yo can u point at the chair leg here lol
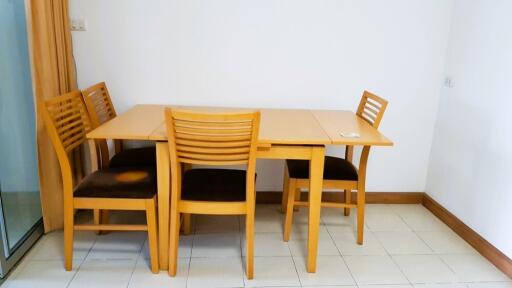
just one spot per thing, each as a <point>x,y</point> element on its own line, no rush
<point>174,238</point>
<point>249,241</point>
<point>360,214</point>
<point>348,200</point>
<point>186,223</point>
<point>100,217</point>
<point>289,210</point>
<point>104,219</point>
<point>297,198</point>
<point>68,238</point>
<point>97,219</point>
<point>152,234</point>
<point>286,185</point>
<point>104,216</point>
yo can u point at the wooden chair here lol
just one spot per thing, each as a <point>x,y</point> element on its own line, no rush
<point>100,108</point>
<point>339,173</point>
<point>120,188</point>
<point>212,140</point>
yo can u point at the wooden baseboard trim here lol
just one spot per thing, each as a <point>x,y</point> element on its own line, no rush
<point>392,197</point>
<point>274,197</point>
<point>495,256</point>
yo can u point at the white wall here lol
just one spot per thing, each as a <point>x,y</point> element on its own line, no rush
<point>471,162</point>
<point>289,53</point>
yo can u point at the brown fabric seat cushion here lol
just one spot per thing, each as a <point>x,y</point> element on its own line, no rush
<point>135,157</point>
<point>214,185</point>
<point>334,169</point>
<point>126,182</point>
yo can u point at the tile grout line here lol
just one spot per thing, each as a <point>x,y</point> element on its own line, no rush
<point>389,254</point>
<point>141,252</point>
<point>394,262</point>
<point>83,261</point>
<point>293,259</point>
<point>433,251</point>
<point>20,266</point>
<point>415,232</point>
<point>339,252</point>
<point>193,220</point>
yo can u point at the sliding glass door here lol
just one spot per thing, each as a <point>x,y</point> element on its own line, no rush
<point>20,218</point>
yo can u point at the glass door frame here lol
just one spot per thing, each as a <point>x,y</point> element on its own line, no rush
<point>28,240</point>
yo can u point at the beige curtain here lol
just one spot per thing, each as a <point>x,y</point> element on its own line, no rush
<point>53,73</point>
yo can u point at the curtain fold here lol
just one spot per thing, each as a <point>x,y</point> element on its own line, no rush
<point>53,73</point>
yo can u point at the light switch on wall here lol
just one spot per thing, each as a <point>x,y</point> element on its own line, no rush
<point>78,25</point>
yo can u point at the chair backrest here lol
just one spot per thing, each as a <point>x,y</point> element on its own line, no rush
<point>212,138</point>
<point>67,123</point>
<point>101,109</point>
<point>98,103</point>
<point>372,108</point>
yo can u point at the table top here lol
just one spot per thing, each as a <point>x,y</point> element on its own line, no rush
<point>278,126</point>
<point>336,122</point>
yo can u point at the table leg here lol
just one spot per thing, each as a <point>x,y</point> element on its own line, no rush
<point>316,173</point>
<point>164,189</point>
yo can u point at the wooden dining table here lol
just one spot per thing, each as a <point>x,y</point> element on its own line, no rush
<point>284,134</point>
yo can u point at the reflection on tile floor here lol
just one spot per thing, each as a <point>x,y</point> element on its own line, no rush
<point>405,246</point>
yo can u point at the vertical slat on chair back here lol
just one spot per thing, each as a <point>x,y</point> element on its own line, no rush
<point>372,108</point>
<point>98,102</point>
<point>212,139</point>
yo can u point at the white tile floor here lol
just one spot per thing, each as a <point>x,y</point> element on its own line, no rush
<point>405,246</point>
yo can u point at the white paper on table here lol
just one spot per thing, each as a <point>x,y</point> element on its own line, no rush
<point>350,134</point>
